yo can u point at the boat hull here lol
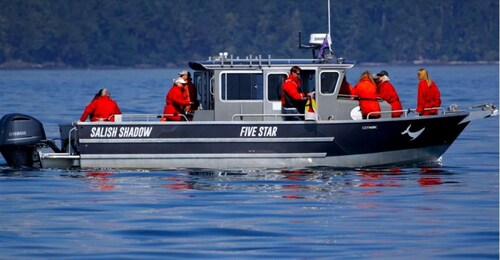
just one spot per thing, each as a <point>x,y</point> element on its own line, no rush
<point>280,144</point>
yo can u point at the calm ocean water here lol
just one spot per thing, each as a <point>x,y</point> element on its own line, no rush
<point>447,212</point>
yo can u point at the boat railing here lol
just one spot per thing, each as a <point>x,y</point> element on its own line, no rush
<point>263,116</point>
<point>258,61</point>
<point>443,111</point>
<point>156,117</point>
<point>144,117</point>
<point>72,130</point>
<point>355,97</point>
<point>405,112</point>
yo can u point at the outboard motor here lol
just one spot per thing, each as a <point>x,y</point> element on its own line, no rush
<point>19,136</point>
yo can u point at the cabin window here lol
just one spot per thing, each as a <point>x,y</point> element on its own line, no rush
<point>274,84</point>
<point>328,82</point>
<point>204,83</point>
<point>241,86</point>
<point>308,80</point>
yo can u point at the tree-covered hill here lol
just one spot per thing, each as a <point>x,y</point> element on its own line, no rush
<point>82,33</point>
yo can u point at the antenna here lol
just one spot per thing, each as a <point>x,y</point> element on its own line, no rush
<point>329,25</point>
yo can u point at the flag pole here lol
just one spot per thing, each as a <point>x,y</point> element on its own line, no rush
<point>329,25</point>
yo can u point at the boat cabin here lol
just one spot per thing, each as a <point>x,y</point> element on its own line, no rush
<point>249,89</point>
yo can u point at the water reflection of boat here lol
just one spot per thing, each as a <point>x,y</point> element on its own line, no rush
<point>240,125</point>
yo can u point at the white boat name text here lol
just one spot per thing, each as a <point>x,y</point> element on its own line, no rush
<point>123,131</point>
<point>261,131</point>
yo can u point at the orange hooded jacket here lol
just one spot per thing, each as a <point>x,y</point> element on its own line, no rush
<point>366,90</point>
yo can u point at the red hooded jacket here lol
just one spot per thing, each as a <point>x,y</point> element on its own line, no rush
<point>345,88</point>
<point>388,93</point>
<point>176,102</point>
<point>428,97</point>
<point>100,109</point>
<point>366,90</point>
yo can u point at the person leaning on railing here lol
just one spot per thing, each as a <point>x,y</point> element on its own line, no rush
<point>176,102</point>
<point>366,90</point>
<point>387,92</point>
<point>101,108</point>
<point>428,94</point>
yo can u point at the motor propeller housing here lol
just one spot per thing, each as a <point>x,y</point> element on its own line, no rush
<point>19,136</point>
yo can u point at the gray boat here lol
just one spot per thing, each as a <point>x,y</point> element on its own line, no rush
<point>240,125</point>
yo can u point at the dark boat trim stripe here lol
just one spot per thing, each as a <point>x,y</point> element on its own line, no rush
<point>207,140</point>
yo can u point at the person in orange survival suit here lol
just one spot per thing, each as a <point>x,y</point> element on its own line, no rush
<point>101,108</point>
<point>293,101</point>
<point>366,90</point>
<point>387,92</point>
<point>428,94</point>
<point>176,102</point>
<point>345,87</point>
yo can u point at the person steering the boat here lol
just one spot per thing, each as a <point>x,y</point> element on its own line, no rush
<point>293,100</point>
<point>176,102</point>
<point>101,108</point>
<point>191,94</point>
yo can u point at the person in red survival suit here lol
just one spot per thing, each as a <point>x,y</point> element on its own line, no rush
<point>191,93</point>
<point>366,90</point>
<point>101,108</point>
<point>345,87</point>
<point>428,94</point>
<point>387,92</point>
<point>293,101</point>
<point>176,102</point>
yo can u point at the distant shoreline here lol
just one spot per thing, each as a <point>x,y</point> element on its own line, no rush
<point>16,64</point>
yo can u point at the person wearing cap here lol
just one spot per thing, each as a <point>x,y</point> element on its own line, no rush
<point>428,94</point>
<point>366,90</point>
<point>293,101</point>
<point>387,92</point>
<point>101,108</point>
<point>190,92</point>
<point>176,102</point>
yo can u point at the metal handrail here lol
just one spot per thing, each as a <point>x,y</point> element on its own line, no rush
<point>438,108</point>
<point>261,115</point>
<point>147,117</point>
<point>404,111</point>
<point>69,139</point>
<point>150,117</point>
<point>265,115</point>
<point>258,61</point>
